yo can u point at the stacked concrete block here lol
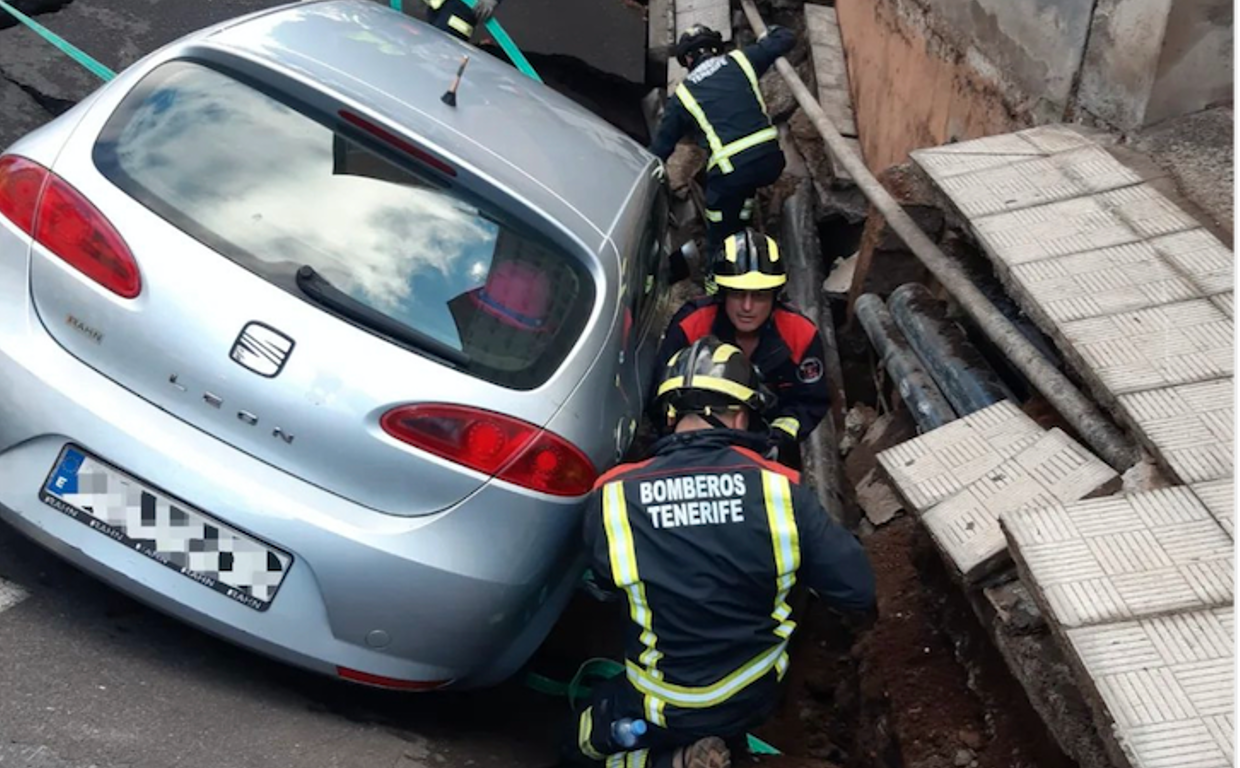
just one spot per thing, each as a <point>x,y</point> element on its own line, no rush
<point>1136,294</point>
<point>1139,591</point>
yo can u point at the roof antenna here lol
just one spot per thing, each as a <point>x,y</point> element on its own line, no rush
<point>449,96</point>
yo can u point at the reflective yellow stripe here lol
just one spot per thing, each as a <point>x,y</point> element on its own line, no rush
<point>436,4</point>
<point>722,155</point>
<point>787,424</point>
<point>772,249</point>
<point>729,248</point>
<point>712,138</point>
<point>751,281</point>
<point>725,352</point>
<point>785,541</point>
<point>714,215</point>
<point>460,25</point>
<point>616,760</point>
<point>585,727</point>
<point>781,666</point>
<point>710,695</point>
<point>738,391</point>
<point>638,759</point>
<point>624,575</point>
<point>747,68</point>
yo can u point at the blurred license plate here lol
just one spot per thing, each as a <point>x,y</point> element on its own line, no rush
<point>180,537</point>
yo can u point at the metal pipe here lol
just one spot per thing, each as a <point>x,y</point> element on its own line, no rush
<point>963,375</point>
<point>1089,422</point>
<point>916,387</point>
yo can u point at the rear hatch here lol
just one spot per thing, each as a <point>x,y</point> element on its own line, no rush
<point>296,276</point>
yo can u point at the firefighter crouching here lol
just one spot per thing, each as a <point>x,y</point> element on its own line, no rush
<point>456,17</point>
<point>720,102</point>
<point>784,345</point>
<point>706,539</point>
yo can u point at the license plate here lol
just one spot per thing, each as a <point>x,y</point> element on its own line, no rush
<point>180,537</point>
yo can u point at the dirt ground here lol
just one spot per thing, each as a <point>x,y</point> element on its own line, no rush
<point>897,694</point>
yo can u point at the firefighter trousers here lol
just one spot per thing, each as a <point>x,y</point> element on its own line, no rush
<point>730,197</point>
<point>590,742</point>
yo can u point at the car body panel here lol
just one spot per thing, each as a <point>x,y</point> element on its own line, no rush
<point>462,575</point>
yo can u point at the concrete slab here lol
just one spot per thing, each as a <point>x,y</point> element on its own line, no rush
<point>1053,469</point>
<point>1167,685</point>
<point>940,463</point>
<point>830,70</point>
<point>1190,428</point>
<point>1147,211</point>
<point>1056,138</point>
<point>1057,229</point>
<point>1155,347</point>
<point>1219,496</point>
<point>1036,181</point>
<point>1202,258</point>
<point>1123,557</point>
<point>1102,282</point>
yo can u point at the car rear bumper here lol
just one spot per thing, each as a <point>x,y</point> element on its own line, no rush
<point>465,595</point>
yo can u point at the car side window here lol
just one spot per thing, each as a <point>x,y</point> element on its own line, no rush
<point>652,250</point>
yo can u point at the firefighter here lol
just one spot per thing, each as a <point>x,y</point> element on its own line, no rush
<point>784,345</point>
<point>705,539</point>
<point>458,18</point>
<point>720,102</point>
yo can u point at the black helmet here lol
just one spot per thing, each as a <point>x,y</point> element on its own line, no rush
<point>749,261</point>
<point>697,38</point>
<point>709,375</point>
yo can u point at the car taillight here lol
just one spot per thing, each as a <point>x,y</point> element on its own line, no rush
<point>21,180</point>
<point>62,220</point>
<point>508,448</point>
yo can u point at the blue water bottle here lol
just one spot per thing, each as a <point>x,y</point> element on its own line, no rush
<point>626,731</point>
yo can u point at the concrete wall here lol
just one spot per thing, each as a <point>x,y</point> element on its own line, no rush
<point>1033,46</point>
<point>912,87</point>
<point>925,72</point>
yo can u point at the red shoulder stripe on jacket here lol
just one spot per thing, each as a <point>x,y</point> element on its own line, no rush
<point>796,330</point>
<point>699,322</point>
<point>618,470</point>
<point>774,466</point>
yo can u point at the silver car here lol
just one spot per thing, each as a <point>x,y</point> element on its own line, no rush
<point>298,353</point>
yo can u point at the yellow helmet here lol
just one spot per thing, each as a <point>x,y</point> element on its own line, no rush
<point>749,261</point>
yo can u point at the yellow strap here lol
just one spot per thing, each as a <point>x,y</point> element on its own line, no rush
<point>585,727</point>
<point>785,541</point>
<point>712,138</point>
<point>638,759</point>
<point>707,696</point>
<point>460,25</point>
<point>724,153</point>
<point>747,68</point>
<point>787,424</point>
<point>616,761</point>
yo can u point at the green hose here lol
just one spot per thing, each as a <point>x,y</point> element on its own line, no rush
<point>501,36</point>
<point>73,52</point>
<point>604,669</point>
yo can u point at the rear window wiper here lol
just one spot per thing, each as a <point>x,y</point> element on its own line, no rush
<point>323,292</point>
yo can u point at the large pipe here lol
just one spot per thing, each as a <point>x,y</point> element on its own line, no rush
<point>964,376</point>
<point>916,387</point>
<point>1089,422</point>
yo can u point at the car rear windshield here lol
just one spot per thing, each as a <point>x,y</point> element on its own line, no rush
<point>313,206</point>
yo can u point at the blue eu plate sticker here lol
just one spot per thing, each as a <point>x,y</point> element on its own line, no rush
<point>64,479</point>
